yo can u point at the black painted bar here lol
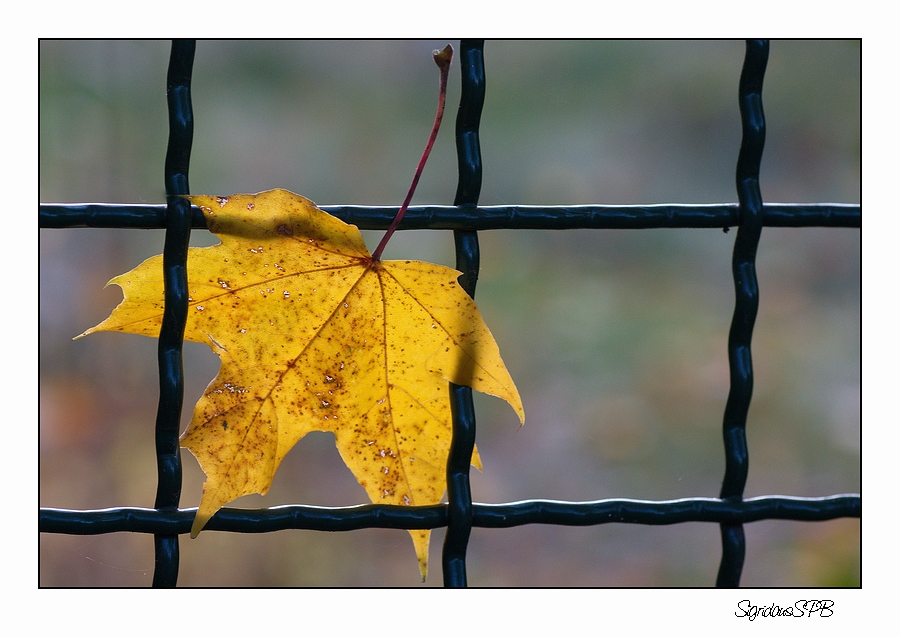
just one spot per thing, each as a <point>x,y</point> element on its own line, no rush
<point>171,335</point>
<point>494,516</point>
<point>776,215</point>
<point>746,304</point>
<point>468,256</point>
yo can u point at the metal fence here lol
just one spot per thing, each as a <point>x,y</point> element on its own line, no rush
<point>731,511</point>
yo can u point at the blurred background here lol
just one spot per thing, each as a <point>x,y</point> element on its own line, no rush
<point>616,339</point>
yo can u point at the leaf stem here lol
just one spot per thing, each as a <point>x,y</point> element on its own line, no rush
<point>442,59</point>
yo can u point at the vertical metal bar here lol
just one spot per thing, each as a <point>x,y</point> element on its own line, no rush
<point>171,335</point>
<point>746,303</point>
<point>459,493</point>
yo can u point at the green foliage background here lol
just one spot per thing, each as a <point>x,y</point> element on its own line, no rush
<point>616,339</point>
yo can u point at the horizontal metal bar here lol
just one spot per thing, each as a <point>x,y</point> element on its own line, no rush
<point>668,512</point>
<point>96,215</point>
<point>243,520</point>
<point>137,520</point>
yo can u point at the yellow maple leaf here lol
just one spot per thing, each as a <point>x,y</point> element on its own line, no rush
<point>315,335</point>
